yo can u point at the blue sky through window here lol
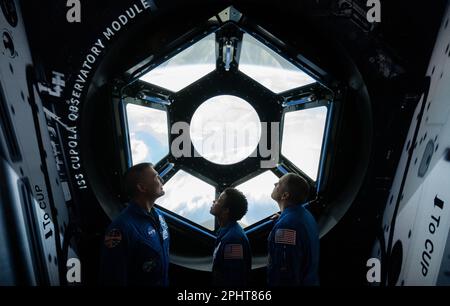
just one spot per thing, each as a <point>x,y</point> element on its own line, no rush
<point>258,192</point>
<point>148,132</point>
<point>190,197</point>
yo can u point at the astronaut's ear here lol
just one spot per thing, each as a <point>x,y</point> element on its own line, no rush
<point>285,195</point>
<point>140,187</point>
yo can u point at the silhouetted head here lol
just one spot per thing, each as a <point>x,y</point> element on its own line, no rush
<point>230,206</point>
<point>142,181</point>
<point>291,189</point>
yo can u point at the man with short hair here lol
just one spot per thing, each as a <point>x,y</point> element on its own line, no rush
<point>136,245</point>
<point>294,239</point>
<point>232,255</point>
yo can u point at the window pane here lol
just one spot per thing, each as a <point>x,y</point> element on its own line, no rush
<point>258,191</point>
<point>268,68</point>
<point>302,138</point>
<point>149,136</point>
<point>189,197</point>
<point>186,67</point>
<point>225,129</point>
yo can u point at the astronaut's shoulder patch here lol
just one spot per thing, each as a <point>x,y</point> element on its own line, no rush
<point>233,251</point>
<point>286,236</point>
<point>113,238</point>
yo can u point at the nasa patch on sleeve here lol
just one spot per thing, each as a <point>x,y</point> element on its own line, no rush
<point>113,238</point>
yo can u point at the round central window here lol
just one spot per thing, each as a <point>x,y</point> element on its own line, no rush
<point>225,130</point>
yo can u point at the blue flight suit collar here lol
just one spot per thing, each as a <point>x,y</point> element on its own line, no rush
<point>292,209</point>
<point>223,230</point>
<point>139,210</point>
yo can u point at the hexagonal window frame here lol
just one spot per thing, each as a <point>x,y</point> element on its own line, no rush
<point>229,28</point>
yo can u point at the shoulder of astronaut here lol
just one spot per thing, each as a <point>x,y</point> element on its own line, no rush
<point>234,237</point>
<point>289,221</point>
<point>122,224</point>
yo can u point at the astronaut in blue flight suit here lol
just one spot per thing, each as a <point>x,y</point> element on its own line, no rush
<point>232,258</point>
<point>294,239</point>
<point>136,245</point>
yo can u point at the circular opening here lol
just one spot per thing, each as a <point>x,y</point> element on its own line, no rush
<point>225,129</point>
